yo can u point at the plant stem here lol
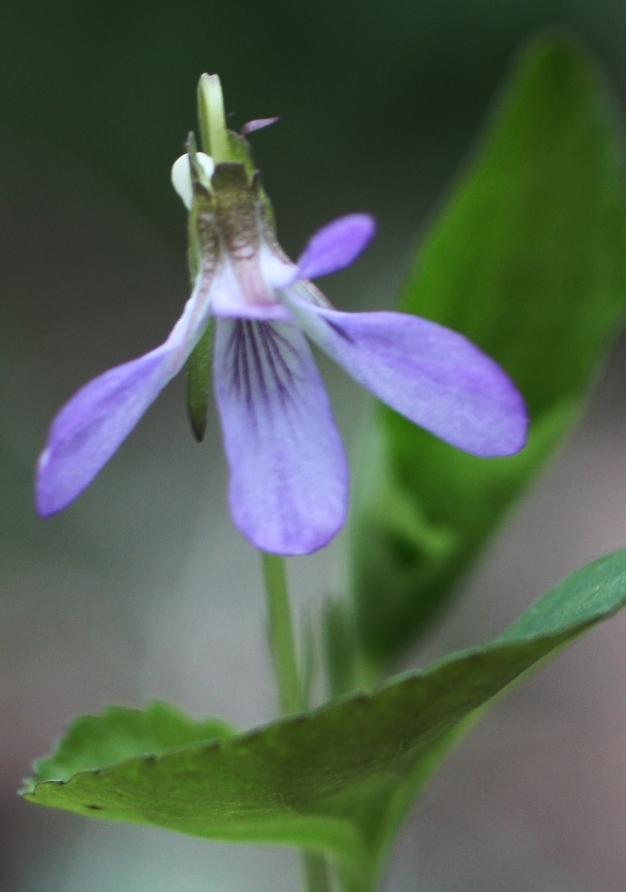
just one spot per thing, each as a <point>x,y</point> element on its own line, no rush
<point>315,870</point>
<point>281,634</point>
<point>290,693</point>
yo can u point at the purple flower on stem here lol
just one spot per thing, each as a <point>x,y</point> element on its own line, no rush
<point>288,490</point>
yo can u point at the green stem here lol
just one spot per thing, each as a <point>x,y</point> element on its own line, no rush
<point>315,870</point>
<point>281,634</point>
<point>290,693</point>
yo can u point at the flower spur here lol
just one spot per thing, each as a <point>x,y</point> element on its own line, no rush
<point>288,490</point>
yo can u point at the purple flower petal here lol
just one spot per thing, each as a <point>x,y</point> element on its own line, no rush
<point>288,489</point>
<point>431,374</point>
<point>93,424</point>
<point>336,245</point>
<point>257,124</point>
<point>241,290</point>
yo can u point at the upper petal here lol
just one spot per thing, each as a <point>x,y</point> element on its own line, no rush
<point>288,488</point>
<point>95,421</point>
<point>336,245</point>
<point>433,375</point>
<point>241,290</point>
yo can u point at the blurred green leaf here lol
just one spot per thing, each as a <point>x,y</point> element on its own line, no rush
<point>339,779</point>
<point>528,259</point>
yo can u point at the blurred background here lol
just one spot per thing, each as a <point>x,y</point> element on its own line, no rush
<point>142,588</point>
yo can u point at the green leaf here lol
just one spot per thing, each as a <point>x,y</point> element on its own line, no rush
<point>121,733</point>
<point>337,780</point>
<point>528,259</point>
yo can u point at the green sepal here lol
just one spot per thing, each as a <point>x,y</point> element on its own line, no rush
<point>198,378</point>
<point>236,209</point>
<point>203,243</point>
<point>337,780</point>
<point>200,185</point>
<point>212,118</point>
<point>241,152</point>
<point>528,260</point>
<point>222,144</point>
<point>230,180</point>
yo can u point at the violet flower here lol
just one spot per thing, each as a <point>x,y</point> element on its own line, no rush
<point>288,490</point>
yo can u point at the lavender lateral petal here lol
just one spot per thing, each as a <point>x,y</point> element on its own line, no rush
<point>91,427</point>
<point>97,419</point>
<point>288,488</point>
<point>336,245</point>
<point>434,376</point>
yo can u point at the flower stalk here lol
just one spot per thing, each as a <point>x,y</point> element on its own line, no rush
<point>290,694</point>
<point>281,634</point>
